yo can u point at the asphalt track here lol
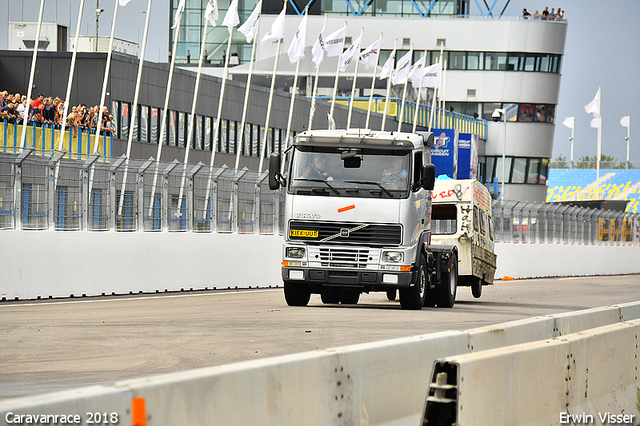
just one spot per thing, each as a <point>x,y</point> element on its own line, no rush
<point>53,345</point>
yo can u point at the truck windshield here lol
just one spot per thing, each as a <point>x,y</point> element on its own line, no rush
<point>352,173</point>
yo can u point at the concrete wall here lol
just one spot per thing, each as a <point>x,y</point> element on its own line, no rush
<point>43,264</point>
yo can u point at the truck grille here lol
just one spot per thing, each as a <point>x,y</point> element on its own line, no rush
<point>344,258</point>
<point>348,233</point>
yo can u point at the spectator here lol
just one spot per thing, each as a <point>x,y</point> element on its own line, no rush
<point>560,15</point>
<point>3,99</point>
<point>38,100</point>
<point>22,110</point>
<point>545,13</point>
<point>536,15</point>
<point>525,14</point>
<point>552,15</point>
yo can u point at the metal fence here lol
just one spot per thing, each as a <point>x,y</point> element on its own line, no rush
<point>555,223</point>
<point>57,193</point>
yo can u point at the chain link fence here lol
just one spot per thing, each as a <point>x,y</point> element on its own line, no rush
<point>106,194</point>
<point>559,223</point>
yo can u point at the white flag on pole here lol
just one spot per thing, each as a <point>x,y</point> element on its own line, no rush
<point>250,27</point>
<point>276,32</point>
<point>123,2</point>
<point>595,121</point>
<point>387,68</point>
<point>178,17</point>
<point>430,75</point>
<point>212,12</point>
<point>318,47</point>
<point>334,43</point>
<point>369,56</point>
<point>402,71</point>
<point>625,121</point>
<point>348,54</point>
<point>231,19</point>
<point>593,107</point>
<point>296,48</point>
<point>569,122</point>
<point>416,72</point>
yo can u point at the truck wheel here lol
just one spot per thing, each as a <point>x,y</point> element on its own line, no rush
<point>476,287</point>
<point>414,297</point>
<point>449,286</point>
<point>296,293</point>
<point>330,295</point>
<point>391,294</point>
<point>349,296</point>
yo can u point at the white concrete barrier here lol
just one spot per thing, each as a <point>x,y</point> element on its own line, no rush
<point>589,374</point>
<point>381,383</point>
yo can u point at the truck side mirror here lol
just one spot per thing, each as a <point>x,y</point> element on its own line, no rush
<point>274,171</point>
<point>428,176</point>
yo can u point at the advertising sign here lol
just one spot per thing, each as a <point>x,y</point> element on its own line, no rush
<point>444,152</point>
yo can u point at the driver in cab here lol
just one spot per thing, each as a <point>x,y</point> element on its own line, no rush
<point>317,169</point>
<point>396,173</point>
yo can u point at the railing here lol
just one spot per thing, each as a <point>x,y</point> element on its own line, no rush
<point>555,223</point>
<point>442,119</point>
<point>44,138</point>
<point>63,194</point>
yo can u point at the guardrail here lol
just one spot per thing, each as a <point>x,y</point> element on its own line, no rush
<point>551,223</point>
<point>386,382</point>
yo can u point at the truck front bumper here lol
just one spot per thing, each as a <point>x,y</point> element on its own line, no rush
<point>349,277</point>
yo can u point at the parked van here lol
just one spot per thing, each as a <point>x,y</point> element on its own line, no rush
<point>462,216</point>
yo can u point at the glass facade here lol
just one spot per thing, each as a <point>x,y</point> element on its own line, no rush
<point>519,170</point>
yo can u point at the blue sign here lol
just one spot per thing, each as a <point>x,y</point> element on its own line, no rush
<point>444,152</point>
<point>467,155</point>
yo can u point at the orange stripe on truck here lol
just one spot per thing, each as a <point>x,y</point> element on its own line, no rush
<point>138,412</point>
<point>344,209</point>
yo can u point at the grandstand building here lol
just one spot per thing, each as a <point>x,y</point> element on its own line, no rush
<point>494,62</point>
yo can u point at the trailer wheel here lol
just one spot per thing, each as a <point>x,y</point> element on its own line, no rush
<point>391,294</point>
<point>349,296</point>
<point>296,293</point>
<point>414,297</point>
<point>330,295</point>
<point>476,287</point>
<point>449,286</point>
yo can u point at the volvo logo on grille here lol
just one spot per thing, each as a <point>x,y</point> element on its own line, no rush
<point>344,232</point>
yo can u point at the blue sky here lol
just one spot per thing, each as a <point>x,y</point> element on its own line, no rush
<point>602,49</point>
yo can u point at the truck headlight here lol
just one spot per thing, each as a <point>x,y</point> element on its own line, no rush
<point>392,256</point>
<point>295,252</point>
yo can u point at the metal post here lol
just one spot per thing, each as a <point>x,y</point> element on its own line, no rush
<point>165,194</point>
<point>51,188</point>
<point>190,195</point>
<point>235,217</point>
<point>140,192</point>
<point>17,186</point>
<point>214,198</point>
<point>258,195</point>
<point>86,196</point>
<point>113,191</point>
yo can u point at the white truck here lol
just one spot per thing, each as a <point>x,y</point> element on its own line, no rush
<point>462,216</point>
<point>357,214</point>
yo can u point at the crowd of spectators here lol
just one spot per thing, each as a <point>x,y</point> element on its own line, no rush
<point>49,111</point>
<point>545,15</point>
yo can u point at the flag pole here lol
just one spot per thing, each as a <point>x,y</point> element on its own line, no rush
<point>433,102</point>
<point>335,85</point>
<point>404,94</point>
<point>105,81</point>
<point>627,139</point>
<point>312,110</point>
<point>353,86</point>
<point>295,89</point>
<point>373,86</point>
<point>246,102</point>
<point>386,98</point>
<point>23,135</point>
<point>598,155</point>
<point>163,123</point>
<point>193,111</point>
<point>415,117</point>
<point>266,124</point>
<point>571,140</point>
<point>72,68</point>
<point>135,108</point>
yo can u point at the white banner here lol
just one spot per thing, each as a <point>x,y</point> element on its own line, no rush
<point>402,71</point>
<point>179,12</point>
<point>593,107</point>
<point>212,12</point>
<point>296,49</point>
<point>625,121</point>
<point>334,43</point>
<point>430,75</point>
<point>231,19</point>
<point>318,47</point>
<point>369,56</point>
<point>569,122</point>
<point>348,54</point>
<point>276,32</point>
<point>387,68</point>
<point>250,27</point>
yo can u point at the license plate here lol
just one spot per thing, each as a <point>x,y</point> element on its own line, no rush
<point>303,233</point>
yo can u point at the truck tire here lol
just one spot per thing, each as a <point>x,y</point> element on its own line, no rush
<point>296,293</point>
<point>476,287</point>
<point>414,297</point>
<point>449,286</point>
<point>391,294</point>
<point>349,296</point>
<point>330,295</point>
